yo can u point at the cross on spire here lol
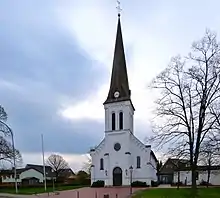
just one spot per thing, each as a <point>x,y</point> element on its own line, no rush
<point>119,7</point>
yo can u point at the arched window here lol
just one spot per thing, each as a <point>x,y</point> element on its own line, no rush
<point>101,164</point>
<point>138,162</point>
<point>113,121</point>
<point>121,120</point>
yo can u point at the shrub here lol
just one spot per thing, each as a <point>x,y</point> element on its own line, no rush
<point>98,183</point>
<point>204,183</point>
<point>68,184</point>
<point>85,182</point>
<point>7,186</point>
<point>139,184</point>
<point>178,184</point>
<point>82,182</point>
<point>154,183</point>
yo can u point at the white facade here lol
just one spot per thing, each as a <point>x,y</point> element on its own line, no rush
<point>202,176</point>
<point>25,174</point>
<point>131,148</point>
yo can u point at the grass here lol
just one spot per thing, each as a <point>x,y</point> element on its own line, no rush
<point>181,193</point>
<point>37,190</point>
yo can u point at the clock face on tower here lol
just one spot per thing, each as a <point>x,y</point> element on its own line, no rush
<point>116,94</point>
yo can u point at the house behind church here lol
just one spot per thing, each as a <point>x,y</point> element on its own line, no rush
<point>32,174</point>
<point>185,175</point>
<point>166,172</point>
<point>174,168</point>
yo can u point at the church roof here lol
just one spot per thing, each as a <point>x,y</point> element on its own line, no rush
<point>119,77</point>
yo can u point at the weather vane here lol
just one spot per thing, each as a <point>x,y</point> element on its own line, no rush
<point>119,7</point>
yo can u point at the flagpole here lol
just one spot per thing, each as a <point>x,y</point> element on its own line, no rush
<point>45,183</point>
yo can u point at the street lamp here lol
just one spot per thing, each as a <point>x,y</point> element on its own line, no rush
<point>131,171</point>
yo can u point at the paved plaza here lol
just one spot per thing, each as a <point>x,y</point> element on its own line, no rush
<point>121,192</point>
<point>94,193</point>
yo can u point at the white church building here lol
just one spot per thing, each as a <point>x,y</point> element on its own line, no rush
<point>121,158</point>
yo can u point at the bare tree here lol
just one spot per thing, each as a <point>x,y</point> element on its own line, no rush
<point>82,177</point>
<point>190,89</point>
<point>3,115</point>
<point>159,165</point>
<point>87,166</point>
<point>178,165</point>
<point>58,164</point>
<point>4,128</point>
<point>6,148</point>
<point>210,154</point>
<point>7,153</point>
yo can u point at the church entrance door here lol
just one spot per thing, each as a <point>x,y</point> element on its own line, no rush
<point>117,176</point>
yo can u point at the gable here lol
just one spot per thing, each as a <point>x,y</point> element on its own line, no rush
<point>168,167</point>
<point>97,148</point>
<point>40,169</point>
<point>173,164</point>
<point>31,173</point>
<point>66,172</point>
<point>153,156</point>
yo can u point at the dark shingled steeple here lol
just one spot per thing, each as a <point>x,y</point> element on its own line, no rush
<point>119,78</point>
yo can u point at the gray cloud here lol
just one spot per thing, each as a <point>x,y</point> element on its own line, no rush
<point>29,120</point>
<point>41,67</point>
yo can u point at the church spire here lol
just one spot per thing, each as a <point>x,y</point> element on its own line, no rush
<point>119,87</point>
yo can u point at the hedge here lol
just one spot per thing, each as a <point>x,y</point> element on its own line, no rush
<point>139,184</point>
<point>154,183</point>
<point>98,183</point>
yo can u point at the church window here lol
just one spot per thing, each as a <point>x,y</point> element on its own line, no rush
<point>138,162</point>
<point>101,164</point>
<point>113,121</point>
<point>121,120</point>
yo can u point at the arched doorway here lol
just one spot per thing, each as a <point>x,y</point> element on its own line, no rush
<point>117,176</point>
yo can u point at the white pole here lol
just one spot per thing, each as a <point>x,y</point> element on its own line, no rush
<point>14,161</point>
<point>45,182</point>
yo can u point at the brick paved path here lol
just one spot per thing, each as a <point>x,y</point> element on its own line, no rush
<point>91,193</point>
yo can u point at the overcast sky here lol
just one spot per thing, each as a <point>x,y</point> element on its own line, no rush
<point>56,58</point>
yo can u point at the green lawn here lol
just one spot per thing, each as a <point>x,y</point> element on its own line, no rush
<point>29,191</point>
<point>181,193</point>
